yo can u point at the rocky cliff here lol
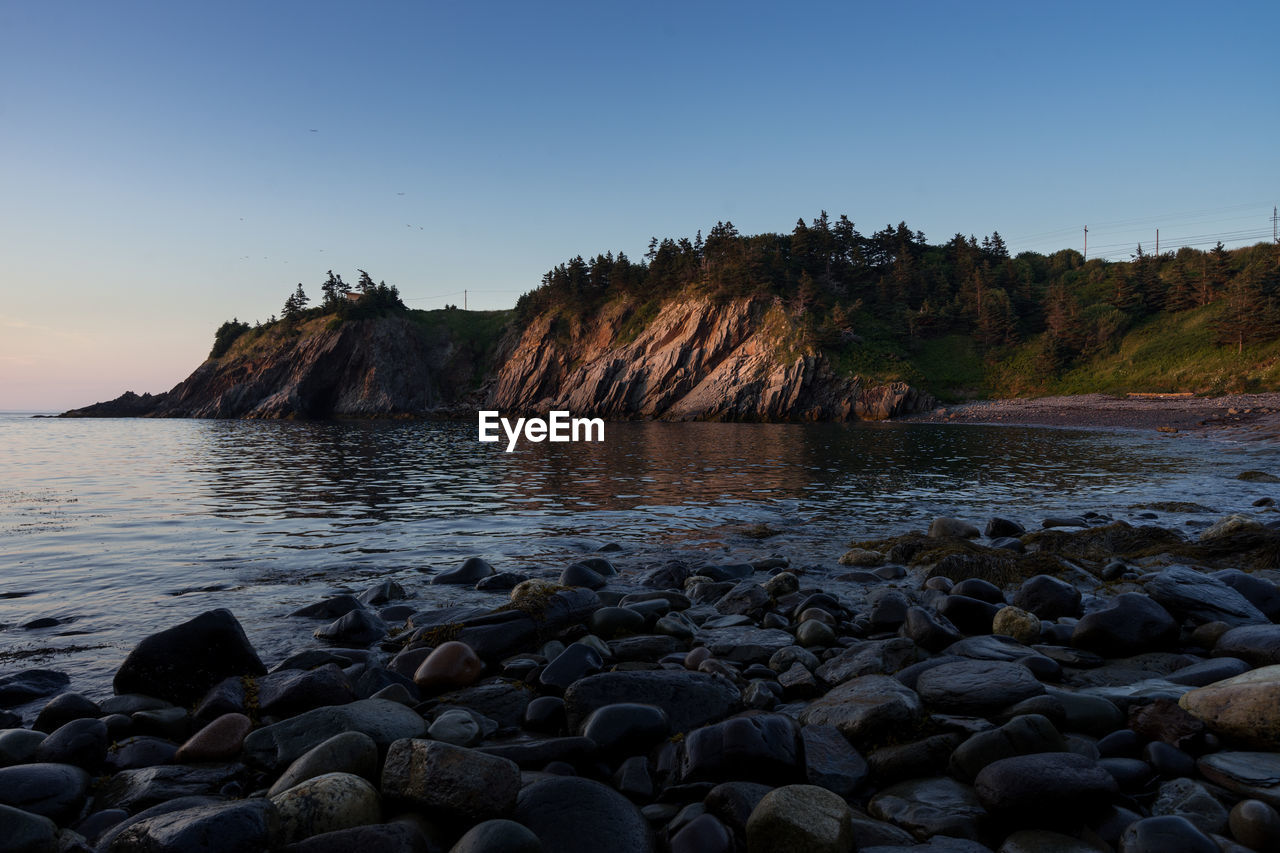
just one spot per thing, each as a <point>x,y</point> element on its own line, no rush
<point>381,367</point>
<point>694,361</point>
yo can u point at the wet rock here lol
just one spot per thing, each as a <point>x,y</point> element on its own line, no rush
<point>914,759</point>
<point>610,622</point>
<point>1246,706</point>
<point>64,708</point>
<point>349,752</point>
<point>626,728</point>
<point>1256,645</point>
<point>977,687</point>
<point>18,746</point>
<point>246,825</point>
<point>980,589</point>
<point>134,790</point>
<point>745,598</point>
<point>1165,834</point>
<point>501,582</point>
<point>1255,824</point>
<point>888,609</point>
<point>831,762</point>
<point>928,807</point>
<point>1044,841</point>
<point>326,803</point>
<point>1168,761</point>
<point>733,802</point>
<point>398,837</point>
<point>382,592</point>
<point>55,791</point>
<point>282,743</point>
<point>1024,735</point>
<point>576,574</point>
<point>800,817</point>
<point>1262,594</point>
<point>690,699</point>
<point>24,832</point>
<point>575,662</point>
<point>1188,594</point>
<point>875,657</point>
<point>1228,526</point>
<point>1129,624</point>
<point>498,836</point>
<point>969,615</point>
<point>221,740</point>
<point>501,700</point>
<point>703,834</point>
<point>999,527</point>
<point>861,558</point>
<point>930,631</point>
<point>761,748</point>
<point>357,628</point>
<point>866,707</point>
<point>140,751</point>
<point>329,608</point>
<point>1189,799</point>
<point>181,663</point>
<point>22,687</point>
<point>1044,789</point>
<point>577,815</point>
<point>472,571</point>
<point>1207,672</point>
<point>1048,597</point>
<point>633,778</point>
<point>945,527</point>
<point>457,727</point>
<point>449,665</point>
<point>82,743</point>
<point>993,647</point>
<point>1250,774</point>
<point>814,633</point>
<point>450,781</point>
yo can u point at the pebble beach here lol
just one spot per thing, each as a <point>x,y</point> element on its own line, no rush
<point>1076,683</point>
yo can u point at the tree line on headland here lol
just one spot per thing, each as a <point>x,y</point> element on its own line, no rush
<point>891,295</point>
<point>963,317</point>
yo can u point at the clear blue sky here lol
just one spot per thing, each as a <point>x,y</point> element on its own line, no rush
<point>166,166</point>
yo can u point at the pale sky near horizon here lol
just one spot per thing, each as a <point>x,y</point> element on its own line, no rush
<point>167,166</point>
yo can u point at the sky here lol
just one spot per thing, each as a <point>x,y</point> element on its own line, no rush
<point>168,166</point>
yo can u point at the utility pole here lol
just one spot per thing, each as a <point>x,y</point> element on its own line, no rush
<point>1157,242</point>
<point>1086,242</point>
<point>464,300</point>
<point>1275,237</point>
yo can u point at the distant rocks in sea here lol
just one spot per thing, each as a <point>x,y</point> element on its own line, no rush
<point>1098,687</point>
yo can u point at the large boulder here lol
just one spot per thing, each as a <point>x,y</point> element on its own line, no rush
<point>1189,594</point>
<point>575,815</point>
<point>382,720</point>
<point>1245,707</point>
<point>1131,623</point>
<point>866,708</point>
<point>451,782</point>
<point>245,826</point>
<point>181,663</point>
<point>690,699</point>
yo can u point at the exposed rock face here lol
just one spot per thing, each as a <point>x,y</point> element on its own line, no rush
<point>695,361</point>
<point>363,368</point>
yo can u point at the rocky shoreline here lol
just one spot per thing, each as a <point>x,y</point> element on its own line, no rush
<point>1086,685</point>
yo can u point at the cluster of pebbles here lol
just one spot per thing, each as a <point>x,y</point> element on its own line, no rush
<point>1086,687</point>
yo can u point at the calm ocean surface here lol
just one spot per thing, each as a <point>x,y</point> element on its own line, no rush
<point>118,528</point>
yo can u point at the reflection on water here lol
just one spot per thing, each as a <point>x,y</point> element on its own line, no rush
<point>102,522</point>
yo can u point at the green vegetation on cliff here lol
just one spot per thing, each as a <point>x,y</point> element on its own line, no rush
<point>964,318</point>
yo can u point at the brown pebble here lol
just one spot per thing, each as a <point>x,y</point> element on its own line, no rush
<point>221,740</point>
<point>452,664</point>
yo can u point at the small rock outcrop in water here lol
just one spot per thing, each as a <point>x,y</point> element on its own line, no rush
<point>694,361</point>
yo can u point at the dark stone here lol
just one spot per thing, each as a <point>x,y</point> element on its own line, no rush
<point>571,752</point>
<point>1256,645</point>
<point>140,751</point>
<point>1045,789</point>
<point>181,663</point>
<point>133,790</point>
<point>500,700</point>
<point>280,744</point>
<point>1129,624</point>
<point>931,807</point>
<point>382,593</point>
<point>645,647</point>
<point>733,802</point>
<point>633,778</point>
<point>969,615</point>
<point>545,714</point>
<point>55,791</point>
<point>727,571</point>
<point>575,662</point>
<point>1123,743</point>
<point>22,687</point>
<point>1133,775</point>
<point>703,834</point>
<point>1024,735</point>
<point>990,647</point>
<point>82,743</point>
<point>999,527</point>
<point>977,687</point>
<point>99,823</point>
<point>576,574</point>
<point>979,589</point>
<point>610,622</point>
<point>234,827</point>
<point>1166,834</point>
<point>1262,594</point>
<point>490,836</point>
<point>472,570</point>
<point>928,630</point>
<point>915,759</point>
<point>831,762</point>
<point>691,699</point>
<point>330,608</point>
<point>746,598</point>
<point>64,708</point>
<point>873,657</point>
<point>670,575</point>
<point>1189,594</point>
<point>1047,597</point>
<point>888,609</point>
<point>1206,672</point>
<point>357,628</point>
<point>627,728</point>
<point>766,747</point>
<point>501,582</point>
<point>1169,761</point>
<point>575,815</point>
